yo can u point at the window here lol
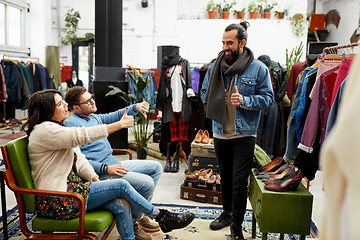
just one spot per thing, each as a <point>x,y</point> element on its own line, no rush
<point>2,23</point>
<point>12,26</point>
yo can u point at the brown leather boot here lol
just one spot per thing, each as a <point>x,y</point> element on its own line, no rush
<point>149,226</point>
<point>139,232</point>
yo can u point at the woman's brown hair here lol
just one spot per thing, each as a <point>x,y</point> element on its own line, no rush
<point>41,108</point>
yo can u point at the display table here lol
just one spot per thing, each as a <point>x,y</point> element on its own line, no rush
<point>280,212</point>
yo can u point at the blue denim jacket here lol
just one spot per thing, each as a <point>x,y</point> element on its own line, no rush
<point>254,84</point>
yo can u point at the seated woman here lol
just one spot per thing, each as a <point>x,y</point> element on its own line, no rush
<point>57,164</point>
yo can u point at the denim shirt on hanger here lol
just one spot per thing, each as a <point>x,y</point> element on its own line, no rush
<point>291,143</point>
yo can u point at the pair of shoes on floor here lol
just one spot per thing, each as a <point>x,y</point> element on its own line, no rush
<point>170,221</point>
<point>140,233</point>
<point>143,227</point>
<point>289,183</point>
<point>172,166</point>
<point>202,137</point>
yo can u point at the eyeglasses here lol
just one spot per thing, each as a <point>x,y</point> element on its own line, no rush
<point>88,102</point>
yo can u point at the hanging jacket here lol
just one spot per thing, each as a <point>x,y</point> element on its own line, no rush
<point>164,97</point>
<point>12,76</point>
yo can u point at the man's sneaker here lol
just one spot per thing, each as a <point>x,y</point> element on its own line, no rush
<point>169,221</point>
<point>149,226</point>
<point>139,232</point>
<point>224,220</point>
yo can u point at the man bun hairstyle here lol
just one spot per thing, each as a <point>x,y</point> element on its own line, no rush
<point>241,27</point>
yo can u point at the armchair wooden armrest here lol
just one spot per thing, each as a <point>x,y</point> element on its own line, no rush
<point>10,181</point>
<point>120,151</point>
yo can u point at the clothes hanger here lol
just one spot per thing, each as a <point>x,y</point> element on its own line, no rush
<point>334,55</point>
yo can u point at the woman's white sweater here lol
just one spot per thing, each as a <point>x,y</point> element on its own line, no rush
<point>51,152</point>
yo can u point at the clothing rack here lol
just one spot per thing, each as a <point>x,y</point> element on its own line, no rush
<point>352,45</point>
<point>332,52</point>
<point>15,121</point>
<point>19,58</point>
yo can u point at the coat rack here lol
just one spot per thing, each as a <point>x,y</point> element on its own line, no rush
<point>332,52</point>
<point>16,59</point>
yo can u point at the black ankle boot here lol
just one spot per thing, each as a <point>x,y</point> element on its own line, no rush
<point>167,167</point>
<point>169,221</point>
<point>175,167</point>
<point>236,232</point>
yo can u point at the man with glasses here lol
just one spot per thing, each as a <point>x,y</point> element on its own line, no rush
<point>143,175</point>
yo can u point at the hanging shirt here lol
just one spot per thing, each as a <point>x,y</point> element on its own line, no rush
<point>176,89</point>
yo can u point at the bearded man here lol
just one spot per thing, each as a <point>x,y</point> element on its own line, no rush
<point>235,89</point>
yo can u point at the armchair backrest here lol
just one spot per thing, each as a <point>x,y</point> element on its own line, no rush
<point>18,159</point>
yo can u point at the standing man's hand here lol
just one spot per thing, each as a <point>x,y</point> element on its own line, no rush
<point>236,98</point>
<point>143,107</point>
<point>117,169</point>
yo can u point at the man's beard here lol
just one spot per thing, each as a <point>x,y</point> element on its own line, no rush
<point>230,59</point>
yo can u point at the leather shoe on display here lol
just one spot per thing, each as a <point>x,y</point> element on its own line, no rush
<point>149,226</point>
<point>205,137</point>
<point>169,221</point>
<point>198,136</point>
<point>224,220</point>
<point>287,184</point>
<point>139,232</point>
<point>268,166</point>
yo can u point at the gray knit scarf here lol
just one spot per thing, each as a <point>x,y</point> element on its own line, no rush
<point>214,101</point>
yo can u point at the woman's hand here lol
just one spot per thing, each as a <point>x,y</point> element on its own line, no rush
<point>143,107</point>
<point>95,179</point>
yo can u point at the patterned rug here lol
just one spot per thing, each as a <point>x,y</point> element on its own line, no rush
<point>14,135</point>
<point>198,229</point>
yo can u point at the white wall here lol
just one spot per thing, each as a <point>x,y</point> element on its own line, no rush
<point>164,22</point>
<point>349,11</point>
<point>40,33</point>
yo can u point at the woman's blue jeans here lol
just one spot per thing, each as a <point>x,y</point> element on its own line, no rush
<point>143,177</point>
<point>105,194</point>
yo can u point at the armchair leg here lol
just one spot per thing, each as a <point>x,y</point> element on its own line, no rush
<point>108,231</point>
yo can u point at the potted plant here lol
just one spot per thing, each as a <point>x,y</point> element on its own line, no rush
<point>267,9</point>
<point>211,8</point>
<point>280,14</point>
<point>253,9</point>
<point>298,24</point>
<point>226,9</point>
<point>72,18</point>
<point>141,130</point>
<point>239,13</point>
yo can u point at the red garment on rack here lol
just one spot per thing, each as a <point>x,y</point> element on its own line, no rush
<point>3,95</point>
<point>343,72</point>
<point>330,82</point>
<point>291,84</point>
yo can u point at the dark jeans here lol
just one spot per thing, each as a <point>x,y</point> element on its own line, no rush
<point>235,157</point>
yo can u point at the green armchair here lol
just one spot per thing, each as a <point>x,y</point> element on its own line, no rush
<point>18,179</point>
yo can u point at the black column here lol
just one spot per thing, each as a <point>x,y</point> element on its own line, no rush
<point>108,62</point>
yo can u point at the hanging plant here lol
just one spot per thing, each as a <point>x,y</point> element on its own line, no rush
<point>298,24</point>
<point>72,18</point>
